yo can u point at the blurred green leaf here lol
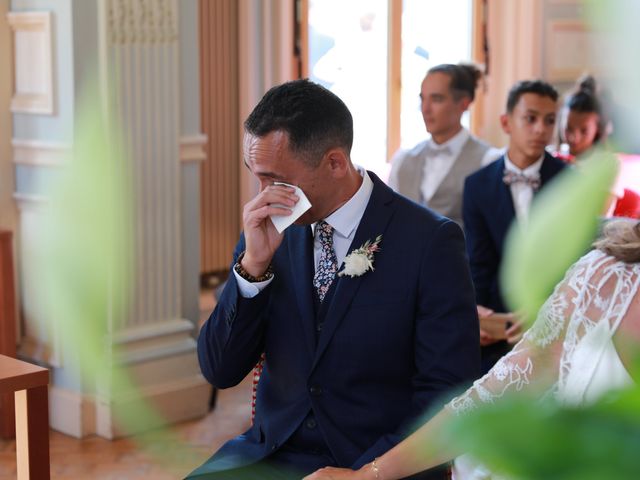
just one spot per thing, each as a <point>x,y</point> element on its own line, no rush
<point>529,439</point>
<point>80,263</point>
<point>562,225</point>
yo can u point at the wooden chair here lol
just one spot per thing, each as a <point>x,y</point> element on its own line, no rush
<point>29,384</point>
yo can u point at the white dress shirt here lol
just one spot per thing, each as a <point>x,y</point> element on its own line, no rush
<point>438,161</point>
<point>521,193</point>
<point>344,220</point>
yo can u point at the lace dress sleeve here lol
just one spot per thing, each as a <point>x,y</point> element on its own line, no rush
<point>535,361</point>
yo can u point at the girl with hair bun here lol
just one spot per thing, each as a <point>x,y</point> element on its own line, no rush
<point>585,123</point>
<point>585,120</point>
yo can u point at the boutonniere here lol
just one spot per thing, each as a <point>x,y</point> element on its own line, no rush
<point>360,260</point>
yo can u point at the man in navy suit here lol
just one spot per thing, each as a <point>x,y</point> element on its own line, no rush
<point>503,191</point>
<point>351,360</point>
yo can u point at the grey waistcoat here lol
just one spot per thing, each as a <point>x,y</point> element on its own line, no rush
<point>447,199</point>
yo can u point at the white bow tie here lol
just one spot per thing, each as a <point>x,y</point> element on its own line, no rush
<point>434,149</point>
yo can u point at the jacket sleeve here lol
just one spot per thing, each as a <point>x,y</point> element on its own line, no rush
<point>232,339</point>
<point>447,338</point>
<point>483,256</point>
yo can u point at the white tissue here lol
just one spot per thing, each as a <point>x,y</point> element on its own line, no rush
<point>283,221</point>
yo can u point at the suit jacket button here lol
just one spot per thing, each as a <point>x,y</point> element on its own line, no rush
<point>315,390</point>
<point>274,446</point>
<point>311,423</point>
<point>319,327</point>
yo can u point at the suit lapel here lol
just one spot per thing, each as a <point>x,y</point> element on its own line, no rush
<point>374,222</point>
<point>547,170</point>
<point>301,255</point>
<point>503,210</point>
<point>504,202</point>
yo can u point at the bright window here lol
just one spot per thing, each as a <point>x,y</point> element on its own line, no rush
<point>348,55</point>
<point>433,32</point>
<point>349,51</point>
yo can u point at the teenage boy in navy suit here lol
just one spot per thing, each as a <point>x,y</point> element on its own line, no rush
<point>503,191</point>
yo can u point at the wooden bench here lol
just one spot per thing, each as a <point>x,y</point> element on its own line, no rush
<point>29,383</point>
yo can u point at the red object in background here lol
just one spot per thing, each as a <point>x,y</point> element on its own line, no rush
<point>628,205</point>
<point>564,154</point>
<point>565,157</point>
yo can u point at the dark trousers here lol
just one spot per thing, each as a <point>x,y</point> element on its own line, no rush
<point>280,467</point>
<point>285,464</point>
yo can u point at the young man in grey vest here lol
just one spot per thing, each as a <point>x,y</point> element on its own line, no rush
<point>433,172</point>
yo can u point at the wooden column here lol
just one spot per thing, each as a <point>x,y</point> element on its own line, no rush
<point>7,327</point>
<point>219,181</point>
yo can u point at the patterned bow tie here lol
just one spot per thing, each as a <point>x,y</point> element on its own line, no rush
<point>510,177</point>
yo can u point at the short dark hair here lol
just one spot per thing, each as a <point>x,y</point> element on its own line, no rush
<point>314,119</point>
<point>464,78</point>
<point>539,87</point>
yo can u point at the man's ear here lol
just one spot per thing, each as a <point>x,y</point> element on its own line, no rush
<point>504,123</point>
<point>464,103</point>
<point>337,161</point>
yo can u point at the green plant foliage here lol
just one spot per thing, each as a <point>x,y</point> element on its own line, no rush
<point>528,439</point>
<point>562,225</point>
<point>80,264</point>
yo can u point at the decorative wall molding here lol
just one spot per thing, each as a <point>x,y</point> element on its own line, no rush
<point>569,62</point>
<point>81,414</point>
<point>33,64</point>
<point>28,201</point>
<point>192,148</point>
<point>72,413</point>
<point>141,21</point>
<point>177,400</point>
<point>149,331</point>
<point>155,341</point>
<point>40,153</point>
<point>139,53</point>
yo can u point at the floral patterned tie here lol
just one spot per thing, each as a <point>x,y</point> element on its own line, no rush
<point>328,264</point>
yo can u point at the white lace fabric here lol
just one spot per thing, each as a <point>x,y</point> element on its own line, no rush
<point>584,310</point>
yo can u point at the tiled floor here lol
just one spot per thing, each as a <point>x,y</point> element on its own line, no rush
<point>189,444</point>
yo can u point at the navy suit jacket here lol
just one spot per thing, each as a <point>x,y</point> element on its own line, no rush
<point>394,342</point>
<point>488,212</point>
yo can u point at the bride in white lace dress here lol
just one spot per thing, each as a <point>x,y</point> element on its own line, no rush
<point>575,350</point>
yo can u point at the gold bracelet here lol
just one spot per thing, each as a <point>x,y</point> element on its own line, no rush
<point>376,469</point>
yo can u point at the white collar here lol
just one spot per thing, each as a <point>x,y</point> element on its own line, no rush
<point>454,144</point>
<point>532,169</point>
<point>347,218</point>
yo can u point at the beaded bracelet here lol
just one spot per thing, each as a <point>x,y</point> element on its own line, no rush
<point>247,276</point>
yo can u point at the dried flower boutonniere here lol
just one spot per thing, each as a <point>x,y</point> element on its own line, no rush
<point>360,261</point>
